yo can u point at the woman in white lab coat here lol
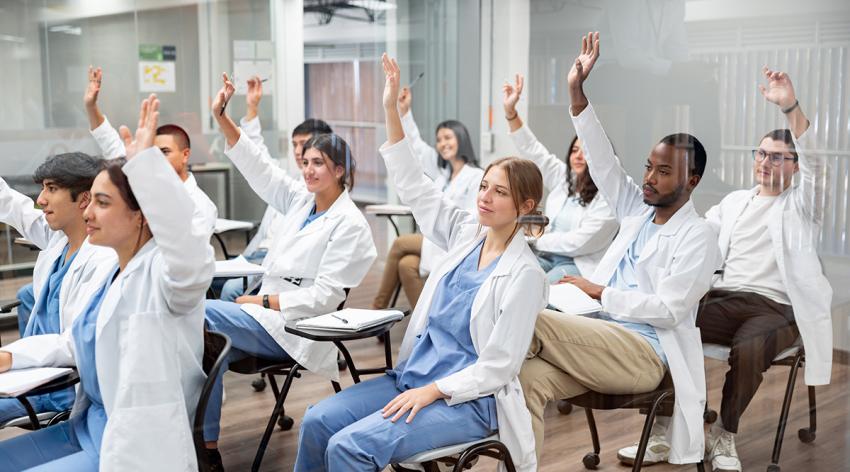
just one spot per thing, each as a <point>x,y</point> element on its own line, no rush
<point>456,377</point>
<point>139,343</point>
<point>582,225</point>
<point>323,246</point>
<point>454,167</point>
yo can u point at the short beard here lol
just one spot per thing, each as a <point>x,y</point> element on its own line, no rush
<point>669,199</point>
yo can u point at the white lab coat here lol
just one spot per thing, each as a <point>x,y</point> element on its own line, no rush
<point>503,312</point>
<point>86,271</point>
<point>673,273</point>
<point>597,227</point>
<point>205,212</point>
<point>462,190</point>
<point>332,253</point>
<point>149,332</point>
<point>794,227</point>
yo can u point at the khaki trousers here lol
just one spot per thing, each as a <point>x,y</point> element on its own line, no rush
<point>402,267</point>
<point>570,355</point>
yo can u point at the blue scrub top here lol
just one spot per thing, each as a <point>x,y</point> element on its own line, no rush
<point>89,426</point>
<point>313,216</point>
<point>45,320</point>
<point>624,278</point>
<point>445,346</point>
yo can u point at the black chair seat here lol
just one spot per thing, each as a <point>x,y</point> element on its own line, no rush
<point>259,365</point>
<point>641,401</point>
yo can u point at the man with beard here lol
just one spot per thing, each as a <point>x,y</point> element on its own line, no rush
<point>649,284</point>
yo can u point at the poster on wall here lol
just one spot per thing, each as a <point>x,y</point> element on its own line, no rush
<point>157,71</point>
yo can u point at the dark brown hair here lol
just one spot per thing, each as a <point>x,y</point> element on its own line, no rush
<point>112,167</point>
<point>179,134</point>
<point>783,135</point>
<point>337,150</point>
<point>584,186</point>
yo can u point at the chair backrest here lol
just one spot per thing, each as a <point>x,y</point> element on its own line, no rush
<point>216,348</point>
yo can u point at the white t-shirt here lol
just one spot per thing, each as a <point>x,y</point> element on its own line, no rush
<point>751,263</point>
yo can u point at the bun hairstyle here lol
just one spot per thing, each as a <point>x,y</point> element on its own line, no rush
<point>337,150</point>
<point>526,183</point>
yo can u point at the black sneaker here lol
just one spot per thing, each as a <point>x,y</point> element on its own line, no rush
<point>214,463</point>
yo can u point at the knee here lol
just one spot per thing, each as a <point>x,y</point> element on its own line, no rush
<point>409,266</point>
<point>341,446</point>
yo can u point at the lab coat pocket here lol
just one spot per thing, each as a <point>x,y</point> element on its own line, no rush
<point>152,437</point>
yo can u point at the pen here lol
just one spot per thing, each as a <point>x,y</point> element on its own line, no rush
<point>340,318</point>
<point>226,99</point>
<point>413,82</point>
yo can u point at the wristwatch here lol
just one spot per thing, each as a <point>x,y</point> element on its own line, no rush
<point>266,301</point>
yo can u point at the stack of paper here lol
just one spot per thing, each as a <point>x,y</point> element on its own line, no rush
<point>350,319</point>
<point>388,209</point>
<point>16,382</point>
<point>238,267</point>
<point>572,300</point>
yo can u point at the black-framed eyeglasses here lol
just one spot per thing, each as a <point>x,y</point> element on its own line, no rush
<point>776,158</point>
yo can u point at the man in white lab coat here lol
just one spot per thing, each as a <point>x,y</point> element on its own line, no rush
<point>171,139</point>
<point>649,283</point>
<point>768,240</point>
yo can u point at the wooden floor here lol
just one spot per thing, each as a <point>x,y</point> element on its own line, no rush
<point>245,414</point>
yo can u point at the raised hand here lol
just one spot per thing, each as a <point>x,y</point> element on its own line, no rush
<point>224,93</point>
<point>93,88</point>
<point>584,62</point>
<point>404,100</point>
<point>779,89</point>
<point>391,87</point>
<point>255,92</point>
<point>146,129</point>
<point>512,94</point>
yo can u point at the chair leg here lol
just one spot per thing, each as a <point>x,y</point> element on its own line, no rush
<point>591,459</point>
<point>807,435</point>
<point>701,466</point>
<point>493,449</point>
<point>278,409</point>
<point>647,430</point>
<point>783,415</point>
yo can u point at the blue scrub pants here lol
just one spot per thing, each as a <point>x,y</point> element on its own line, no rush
<point>248,338</point>
<point>11,408</point>
<point>27,298</point>
<point>346,432</point>
<point>54,449</point>
<point>557,266</point>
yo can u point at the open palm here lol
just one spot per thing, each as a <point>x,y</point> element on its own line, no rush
<point>779,89</point>
<point>585,61</point>
<point>93,88</point>
<point>391,87</point>
<point>146,129</point>
<point>512,94</point>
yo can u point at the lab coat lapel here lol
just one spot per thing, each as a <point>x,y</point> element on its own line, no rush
<point>112,297</point>
<point>503,267</point>
<point>730,216</point>
<point>670,228</point>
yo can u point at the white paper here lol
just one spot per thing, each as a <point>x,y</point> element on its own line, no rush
<point>223,225</point>
<point>16,382</point>
<point>350,319</point>
<point>237,267</point>
<point>388,209</point>
<point>157,76</point>
<point>243,49</point>
<point>571,300</point>
<point>244,70</point>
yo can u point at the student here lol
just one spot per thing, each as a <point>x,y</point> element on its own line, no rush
<point>649,283</point>
<point>259,245</point>
<point>455,380</point>
<point>138,343</point>
<point>171,139</point>
<point>323,246</point>
<point>772,289</point>
<point>454,168</point>
<point>582,225</point>
<point>68,267</point>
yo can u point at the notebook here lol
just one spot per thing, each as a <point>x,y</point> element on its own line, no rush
<point>16,382</point>
<point>570,299</point>
<point>350,319</point>
<point>238,267</point>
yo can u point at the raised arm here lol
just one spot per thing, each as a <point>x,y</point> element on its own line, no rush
<point>623,195</point>
<point>438,218</point>
<point>269,181</point>
<point>811,195</point>
<point>553,169</point>
<point>18,211</point>
<point>188,261</point>
<point>101,129</point>
<point>426,154</point>
<point>250,123</point>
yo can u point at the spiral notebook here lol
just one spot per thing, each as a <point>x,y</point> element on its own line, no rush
<point>350,319</point>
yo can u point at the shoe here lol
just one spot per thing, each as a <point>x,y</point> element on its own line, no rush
<point>657,450</point>
<point>722,452</point>
<point>214,461</point>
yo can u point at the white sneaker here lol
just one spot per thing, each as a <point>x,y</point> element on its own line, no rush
<point>722,452</point>
<point>657,450</point>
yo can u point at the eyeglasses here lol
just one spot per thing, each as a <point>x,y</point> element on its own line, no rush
<point>776,158</point>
